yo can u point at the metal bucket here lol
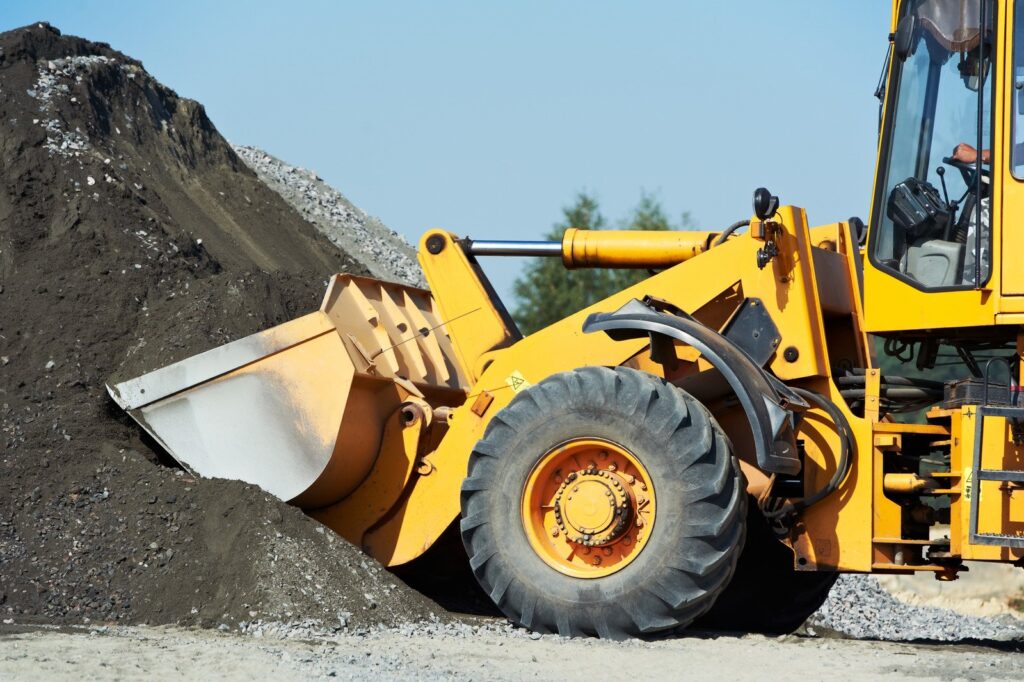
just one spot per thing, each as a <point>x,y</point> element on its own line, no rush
<point>299,409</point>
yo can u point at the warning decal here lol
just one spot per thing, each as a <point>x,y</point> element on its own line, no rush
<point>516,381</point>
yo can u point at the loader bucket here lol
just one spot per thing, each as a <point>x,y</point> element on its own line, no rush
<point>299,409</point>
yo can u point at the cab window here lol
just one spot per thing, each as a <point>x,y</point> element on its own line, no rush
<point>932,217</point>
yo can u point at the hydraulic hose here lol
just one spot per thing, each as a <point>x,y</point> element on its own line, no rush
<point>900,393</point>
<point>846,444</point>
<point>858,380</point>
<point>720,239</point>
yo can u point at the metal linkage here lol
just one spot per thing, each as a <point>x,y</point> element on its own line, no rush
<point>514,248</point>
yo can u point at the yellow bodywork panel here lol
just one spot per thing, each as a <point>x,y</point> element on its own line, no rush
<point>788,289</point>
<point>895,306</point>
<point>1001,504</point>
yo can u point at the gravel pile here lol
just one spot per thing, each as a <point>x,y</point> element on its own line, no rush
<point>131,236</point>
<point>858,606</point>
<point>382,250</point>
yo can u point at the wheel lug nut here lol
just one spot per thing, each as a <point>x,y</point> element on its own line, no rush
<point>597,560</point>
<point>554,533</point>
<point>607,551</point>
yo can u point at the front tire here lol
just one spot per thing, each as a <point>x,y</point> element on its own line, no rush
<point>603,502</point>
<point>766,593</point>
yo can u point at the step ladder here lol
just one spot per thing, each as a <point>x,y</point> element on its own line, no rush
<point>1011,414</point>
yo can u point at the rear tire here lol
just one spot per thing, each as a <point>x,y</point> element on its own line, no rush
<point>693,541</point>
<point>767,594</point>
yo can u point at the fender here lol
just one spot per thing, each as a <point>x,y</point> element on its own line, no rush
<point>766,401</point>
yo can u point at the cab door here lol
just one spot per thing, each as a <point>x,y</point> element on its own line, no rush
<point>934,236</point>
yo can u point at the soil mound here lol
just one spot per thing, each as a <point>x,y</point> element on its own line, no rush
<point>132,235</point>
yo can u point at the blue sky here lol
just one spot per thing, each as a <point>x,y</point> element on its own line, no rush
<point>487,118</point>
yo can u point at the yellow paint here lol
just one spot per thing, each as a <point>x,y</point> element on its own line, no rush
<point>824,296</point>
<point>585,480</point>
<point>446,350</point>
<point>517,382</point>
<point>631,248</point>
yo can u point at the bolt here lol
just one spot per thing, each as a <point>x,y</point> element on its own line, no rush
<point>597,561</point>
<point>643,486</point>
<point>631,479</point>
<point>612,467</point>
<point>554,533</point>
<point>607,551</point>
<point>627,541</point>
<point>639,522</point>
<point>586,550</point>
<point>576,489</point>
<point>607,493</point>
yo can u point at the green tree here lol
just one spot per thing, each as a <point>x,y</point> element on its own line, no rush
<point>546,291</point>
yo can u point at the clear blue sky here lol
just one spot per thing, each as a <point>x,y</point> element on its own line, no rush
<point>486,118</point>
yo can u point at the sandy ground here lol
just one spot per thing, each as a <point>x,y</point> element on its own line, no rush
<point>141,652</point>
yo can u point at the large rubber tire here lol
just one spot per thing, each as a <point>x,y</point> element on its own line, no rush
<point>697,534</point>
<point>766,594</point>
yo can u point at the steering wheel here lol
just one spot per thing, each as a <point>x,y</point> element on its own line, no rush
<point>967,170</point>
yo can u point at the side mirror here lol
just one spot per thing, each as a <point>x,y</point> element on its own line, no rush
<point>765,204</point>
<point>903,43</point>
<point>858,230</point>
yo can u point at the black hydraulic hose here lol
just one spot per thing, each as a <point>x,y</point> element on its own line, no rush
<point>720,239</point>
<point>889,380</point>
<point>895,393</point>
<point>846,444</point>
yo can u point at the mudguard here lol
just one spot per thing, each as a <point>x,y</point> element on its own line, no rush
<point>767,402</point>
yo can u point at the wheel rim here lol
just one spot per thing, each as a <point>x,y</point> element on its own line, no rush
<point>588,508</point>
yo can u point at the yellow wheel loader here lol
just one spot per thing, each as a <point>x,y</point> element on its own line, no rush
<point>717,441</point>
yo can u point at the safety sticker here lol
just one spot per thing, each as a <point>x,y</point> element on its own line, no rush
<point>517,381</point>
<point>968,483</point>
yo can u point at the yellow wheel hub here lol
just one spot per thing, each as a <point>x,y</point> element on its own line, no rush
<point>588,508</point>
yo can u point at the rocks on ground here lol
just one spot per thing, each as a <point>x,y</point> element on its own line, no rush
<point>387,255</point>
<point>858,606</point>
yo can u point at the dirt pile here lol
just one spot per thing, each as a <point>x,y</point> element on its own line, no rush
<point>385,252</point>
<point>132,235</point>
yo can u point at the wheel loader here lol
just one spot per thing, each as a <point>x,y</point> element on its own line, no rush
<point>771,407</point>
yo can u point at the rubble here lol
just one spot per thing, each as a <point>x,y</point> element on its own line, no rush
<point>386,253</point>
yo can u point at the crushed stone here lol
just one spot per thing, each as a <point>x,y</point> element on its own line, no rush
<point>858,606</point>
<point>386,253</point>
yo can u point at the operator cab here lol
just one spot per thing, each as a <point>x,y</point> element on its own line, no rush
<point>929,204</point>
